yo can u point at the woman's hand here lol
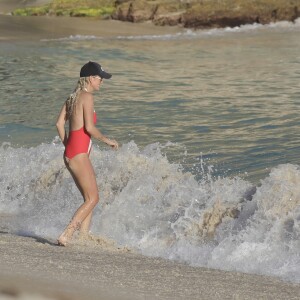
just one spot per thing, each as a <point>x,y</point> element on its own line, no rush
<point>114,144</point>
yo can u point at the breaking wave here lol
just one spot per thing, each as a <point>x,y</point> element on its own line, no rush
<point>152,206</point>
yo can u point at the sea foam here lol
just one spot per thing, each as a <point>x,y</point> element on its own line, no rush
<point>152,206</point>
<point>192,33</point>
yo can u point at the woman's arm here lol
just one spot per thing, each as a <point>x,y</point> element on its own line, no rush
<point>60,125</point>
<point>88,115</point>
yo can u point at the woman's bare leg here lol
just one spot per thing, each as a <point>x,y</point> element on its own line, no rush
<point>82,170</point>
<point>86,224</point>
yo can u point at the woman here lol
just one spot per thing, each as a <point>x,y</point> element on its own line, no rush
<point>79,111</point>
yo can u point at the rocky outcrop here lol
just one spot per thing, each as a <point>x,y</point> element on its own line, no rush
<point>168,14</point>
<point>135,11</point>
<point>236,14</point>
<point>161,13</point>
<point>170,19</point>
<point>207,14</point>
<point>186,13</point>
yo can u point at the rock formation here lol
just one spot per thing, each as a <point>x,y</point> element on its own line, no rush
<point>186,13</point>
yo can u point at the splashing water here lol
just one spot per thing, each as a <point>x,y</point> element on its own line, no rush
<point>153,206</point>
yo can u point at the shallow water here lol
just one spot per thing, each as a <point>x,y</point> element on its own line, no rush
<point>208,172</point>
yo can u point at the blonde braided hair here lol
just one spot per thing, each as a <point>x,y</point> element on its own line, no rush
<point>72,99</point>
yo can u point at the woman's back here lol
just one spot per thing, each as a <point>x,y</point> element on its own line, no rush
<point>76,120</point>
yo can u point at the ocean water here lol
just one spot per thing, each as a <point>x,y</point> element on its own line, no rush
<point>208,170</point>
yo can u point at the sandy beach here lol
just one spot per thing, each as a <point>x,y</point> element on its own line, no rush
<point>36,266</point>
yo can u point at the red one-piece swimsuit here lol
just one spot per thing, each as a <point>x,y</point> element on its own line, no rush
<point>79,141</point>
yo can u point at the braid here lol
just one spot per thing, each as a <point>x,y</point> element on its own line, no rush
<point>72,99</point>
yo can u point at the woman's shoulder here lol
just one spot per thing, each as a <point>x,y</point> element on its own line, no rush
<point>86,98</point>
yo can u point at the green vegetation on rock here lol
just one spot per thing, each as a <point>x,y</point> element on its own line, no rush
<point>74,8</point>
<point>32,11</point>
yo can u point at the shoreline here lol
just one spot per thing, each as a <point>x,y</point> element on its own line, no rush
<point>17,28</point>
<point>137,17</point>
<point>35,266</point>
<point>33,28</point>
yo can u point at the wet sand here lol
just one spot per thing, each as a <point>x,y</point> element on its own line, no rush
<point>36,266</point>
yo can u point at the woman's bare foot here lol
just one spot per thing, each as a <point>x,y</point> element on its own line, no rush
<point>68,233</point>
<point>62,240</point>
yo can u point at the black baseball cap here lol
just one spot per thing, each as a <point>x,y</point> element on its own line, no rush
<point>92,69</point>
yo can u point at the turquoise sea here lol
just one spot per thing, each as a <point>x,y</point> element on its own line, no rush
<point>208,171</point>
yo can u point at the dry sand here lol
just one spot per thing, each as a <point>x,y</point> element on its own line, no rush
<point>37,267</point>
